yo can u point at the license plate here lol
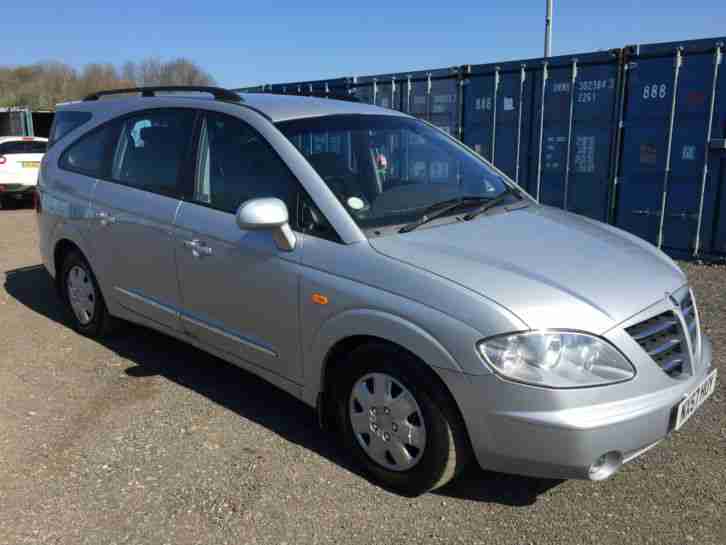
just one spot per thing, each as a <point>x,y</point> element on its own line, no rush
<point>695,399</point>
<point>30,164</point>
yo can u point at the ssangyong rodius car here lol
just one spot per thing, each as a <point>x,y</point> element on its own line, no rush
<point>369,264</point>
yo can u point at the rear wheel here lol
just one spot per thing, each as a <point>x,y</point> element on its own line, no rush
<point>83,297</point>
<point>398,422</point>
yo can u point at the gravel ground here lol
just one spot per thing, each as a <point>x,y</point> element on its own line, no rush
<point>142,439</point>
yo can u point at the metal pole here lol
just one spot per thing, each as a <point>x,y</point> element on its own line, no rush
<point>666,176</point>
<point>548,30</point>
<point>541,128</point>
<point>704,175</point>
<point>494,115</point>
<point>522,75</point>
<point>460,106</point>
<point>573,80</point>
<point>621,87</point>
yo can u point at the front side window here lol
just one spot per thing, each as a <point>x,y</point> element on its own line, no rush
<point>152,149</point>
<point>236,164</point>
<point>390,170</point>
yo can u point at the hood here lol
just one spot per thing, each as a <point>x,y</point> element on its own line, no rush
<point>551,268</point>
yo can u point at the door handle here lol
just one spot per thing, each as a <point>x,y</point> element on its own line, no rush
<point>105,218</point>
<point>198,247</point>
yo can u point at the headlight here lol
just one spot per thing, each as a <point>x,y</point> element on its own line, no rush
<point>556,359</point>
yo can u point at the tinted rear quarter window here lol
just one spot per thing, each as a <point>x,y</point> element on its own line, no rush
<point>91,154</point>
<point>65,122</point>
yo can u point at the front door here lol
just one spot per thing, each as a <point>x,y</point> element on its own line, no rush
<point>239,291</point>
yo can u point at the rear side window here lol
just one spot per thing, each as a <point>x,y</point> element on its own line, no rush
<point>65,122</point>
<point>91,154</point>
<point>152,150</point>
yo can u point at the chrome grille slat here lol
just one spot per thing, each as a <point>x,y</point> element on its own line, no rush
<point>663,346</point>
<point>662,337</point>
<point>640,333</point>
<point>673,362</point>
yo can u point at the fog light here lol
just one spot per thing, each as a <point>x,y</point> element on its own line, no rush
<point>605,465</point>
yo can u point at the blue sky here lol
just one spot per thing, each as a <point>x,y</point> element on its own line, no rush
<point>251,42</point>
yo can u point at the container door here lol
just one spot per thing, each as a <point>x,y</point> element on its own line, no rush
<point>445,104</point>
<point>551,160</point>
<point>388,94</point>
<point>645,146</point>
<point>713,223</point>
<point>688,153</point>
<point>511,120</point>
<point>478,115</point>
<point>587,185</point>
<point>364,92</point>
<point>418,98</point>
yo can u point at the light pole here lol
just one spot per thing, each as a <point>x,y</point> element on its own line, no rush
<point>548,30</point>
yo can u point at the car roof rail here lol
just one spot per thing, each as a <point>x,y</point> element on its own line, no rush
<point>335,95</point>
<point>218,93</point>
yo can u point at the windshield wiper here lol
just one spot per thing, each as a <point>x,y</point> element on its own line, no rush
<point>439,209</point>
<point>491,203</point>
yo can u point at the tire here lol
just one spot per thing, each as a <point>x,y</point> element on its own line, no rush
<point>83,299</point>
<point>430,444</point>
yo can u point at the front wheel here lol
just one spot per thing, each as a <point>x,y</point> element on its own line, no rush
<point>399,422</point>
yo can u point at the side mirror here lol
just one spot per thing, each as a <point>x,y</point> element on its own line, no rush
<point>267,214</point>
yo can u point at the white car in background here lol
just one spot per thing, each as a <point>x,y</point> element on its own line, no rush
<point>20,158</point>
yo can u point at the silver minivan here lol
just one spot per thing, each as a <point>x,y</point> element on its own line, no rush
<point>372,266</point>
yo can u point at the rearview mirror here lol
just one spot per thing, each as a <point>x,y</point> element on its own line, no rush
<point>267,214</point>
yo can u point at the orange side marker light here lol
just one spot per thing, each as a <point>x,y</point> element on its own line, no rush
<point>319,299</point>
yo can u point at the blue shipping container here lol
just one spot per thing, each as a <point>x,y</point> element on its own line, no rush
<point>633,136</point>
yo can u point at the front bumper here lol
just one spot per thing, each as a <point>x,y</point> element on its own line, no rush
<point>515,428</point>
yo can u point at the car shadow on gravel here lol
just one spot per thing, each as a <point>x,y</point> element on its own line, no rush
<point>247,395</point>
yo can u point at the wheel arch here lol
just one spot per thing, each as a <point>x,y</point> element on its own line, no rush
<point>62,249</point>
<point>345,332</point>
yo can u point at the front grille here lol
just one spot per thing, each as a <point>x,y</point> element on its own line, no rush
<point>662,338</point>
<point>688,310</point>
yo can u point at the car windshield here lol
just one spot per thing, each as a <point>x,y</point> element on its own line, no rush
<point>390,170</point>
